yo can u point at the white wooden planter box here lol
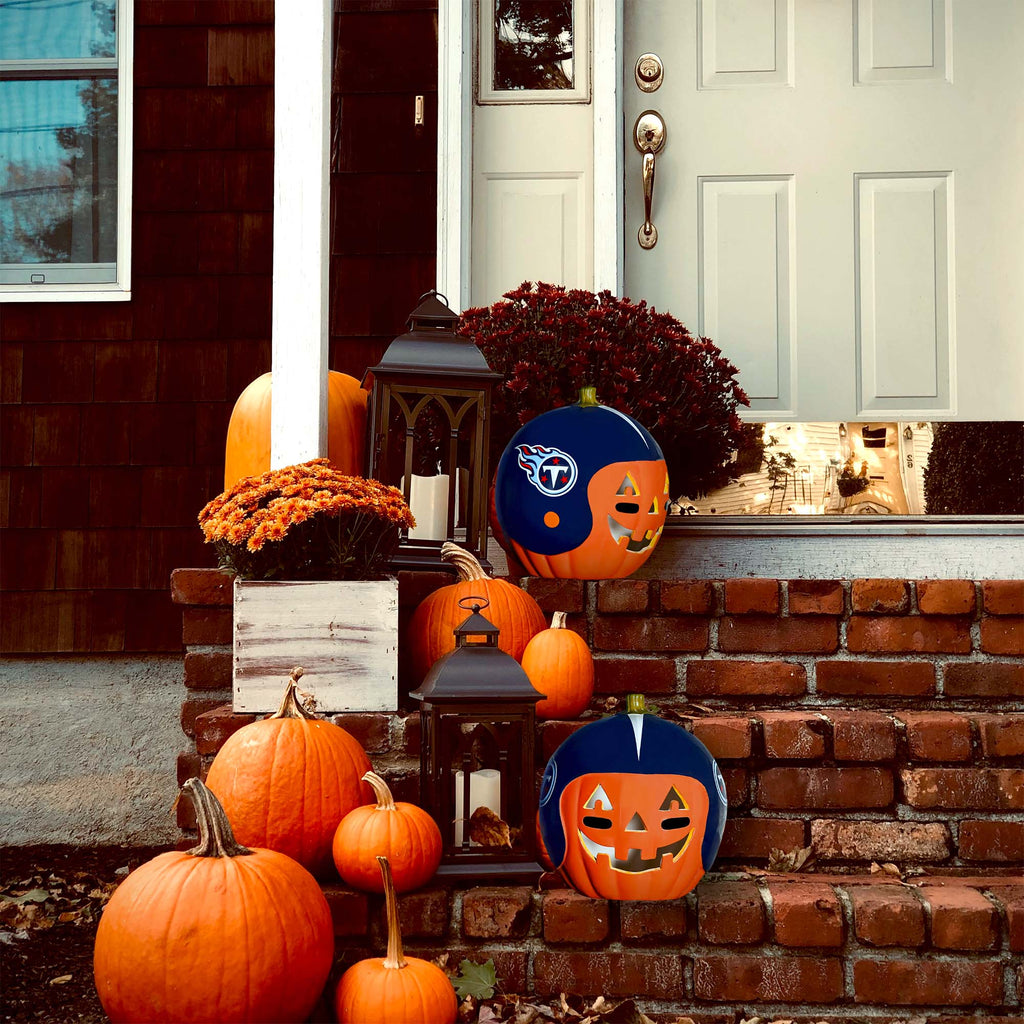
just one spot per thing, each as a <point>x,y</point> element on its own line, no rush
<point>344,634</point>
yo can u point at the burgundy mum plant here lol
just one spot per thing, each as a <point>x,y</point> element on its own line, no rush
<point>548,342</point>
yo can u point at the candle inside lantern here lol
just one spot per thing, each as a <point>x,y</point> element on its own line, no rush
<point>484,791</point>
<point>428,500</point>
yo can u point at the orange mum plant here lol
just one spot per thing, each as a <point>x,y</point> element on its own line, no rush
<point>306,522</point>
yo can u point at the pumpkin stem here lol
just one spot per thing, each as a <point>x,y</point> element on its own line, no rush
<point>385,801</point>
<point>215,836</point>
<point>465,563</point>
<point>634,703</point>
<point>291,706</point>
<point>558,620</point>
<point>395,959</point>
<point>588,396</point>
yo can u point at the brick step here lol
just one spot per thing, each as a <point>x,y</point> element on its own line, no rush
<point>774,945</point>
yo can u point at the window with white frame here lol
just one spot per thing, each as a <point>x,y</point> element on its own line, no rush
<point>64,148</point>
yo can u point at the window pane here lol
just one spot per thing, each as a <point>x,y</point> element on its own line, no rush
<point>911,468</point>
<point>57,29</point>
<point>533,44</point>
<point>58,171</point>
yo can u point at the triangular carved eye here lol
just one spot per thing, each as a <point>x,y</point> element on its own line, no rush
<point>599,796</point>
<point>672,799</point>
<point>628,486</point>
<point>636,824</point>
<point>653,510</point>
<point>665,492</point>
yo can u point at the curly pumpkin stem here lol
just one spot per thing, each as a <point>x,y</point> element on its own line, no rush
<point>291,706</point>
<point>215,836</point>
<point>385,801</point>
<point>558,620</point>
<point>395,960</point>
<point>465,563</point>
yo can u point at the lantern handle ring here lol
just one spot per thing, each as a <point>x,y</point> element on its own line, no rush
<point>435,293</point>
<point>474,607</point>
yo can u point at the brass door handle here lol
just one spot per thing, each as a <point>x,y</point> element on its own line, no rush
<point>648,137</point>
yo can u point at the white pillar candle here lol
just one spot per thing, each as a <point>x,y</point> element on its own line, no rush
<point>484,791</point>
<point>428,500</point>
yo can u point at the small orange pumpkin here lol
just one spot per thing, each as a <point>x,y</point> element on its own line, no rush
<point>559,664</point>
<point>397,989</point>
<point>182,930</point>
<point>404,833</point>
<point>287,780</point>
<point>247,451</point>
<point>511,609</point>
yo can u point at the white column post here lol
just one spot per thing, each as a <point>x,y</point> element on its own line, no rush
<point>302,117</point>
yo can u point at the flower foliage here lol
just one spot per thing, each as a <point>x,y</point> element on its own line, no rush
<point>306,522</point>
<point>549,342</point>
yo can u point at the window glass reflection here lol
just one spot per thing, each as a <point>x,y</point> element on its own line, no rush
<point>57,29</point>
<point>58,171</point>
<point>881,468</point>
<point>533,44</point>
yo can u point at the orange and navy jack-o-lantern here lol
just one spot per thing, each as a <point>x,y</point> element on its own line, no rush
<point>632,807</point>
<point>581,492</point>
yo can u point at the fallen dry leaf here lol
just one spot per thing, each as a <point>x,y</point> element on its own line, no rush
<point>61,980</point>
<point>487,829</point>
<point>885,869</point>
<point>794,860</point>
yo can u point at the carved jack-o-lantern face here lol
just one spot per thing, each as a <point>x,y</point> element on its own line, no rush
<point>629,501</point>
<point>634,837</point>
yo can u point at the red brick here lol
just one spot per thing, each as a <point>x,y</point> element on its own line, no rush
<point>650,975</point>
<point>556,595</point>
<point>628,633</point>
<point>919,982</point>
<point>372,730</point>
<point>750,838</point>
<point>202,586</point>
<point>213,727</point>
<point>491,912</point>
<point>748,597</point>
<point>206,625</point>
<point>908,634</point>
<point>425,913</point>
<point>961,918</point>
<point>663,921</point>
<point>1001,735</point>
<point>1003,597</point>
<point>997,789</point>
<point>349,910</point>
<point>570,917</point>
<point>624,675</point>
<point>807,914</point>
<point>880,597</point>
<point>208,671</point>
<point>553,734</point>
<point>826,788</point>
<point>767,634</point>
<point>793,735</point>
<point>901,841</point>
<point>937,736</point>
<point>862,735</point>
<point>946,597</point>
<point>730,912</point>
<point>1001,841</point>
<point>408,734</point>
<point>887,915</point>
<point>191,709</point>
<point>190,766</point>
<point>726,738</point>
<point>876,678</point>
<point>815,597</point>
<point>617,596</point>
<point>687,597</point>
<point>1003,635</point>
<point>1012,900</point>
<point>770,979</point>
<point>984,679</point>
<point>737,785</point>
<point>745,679</point>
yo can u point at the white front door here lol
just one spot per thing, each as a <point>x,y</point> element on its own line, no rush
<point>839,202</point>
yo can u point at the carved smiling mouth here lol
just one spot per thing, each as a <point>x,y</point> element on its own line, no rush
<point>618,531</point>
<point>634,861</point>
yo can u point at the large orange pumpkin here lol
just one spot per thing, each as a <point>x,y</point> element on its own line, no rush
<point>287,781</point>
<point>402,832</point>
<point>218,933</point>
<point>397,989</point>
<point>247,451</point>
<point>560,665</point>
<point>511,609</point>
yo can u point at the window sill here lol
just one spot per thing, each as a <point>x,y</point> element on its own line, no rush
<point>65,293</point>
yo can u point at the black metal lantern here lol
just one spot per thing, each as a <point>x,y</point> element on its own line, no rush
<point>429,434</point>
<point>477,714</point>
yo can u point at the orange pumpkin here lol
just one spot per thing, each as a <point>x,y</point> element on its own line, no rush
<point>559,664</point>
<point>216,933</point>
<point>247,451</point>
<point>404,833</point>
<point>287,780</point>
<point>511,609</point>
<point>397,989</point>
